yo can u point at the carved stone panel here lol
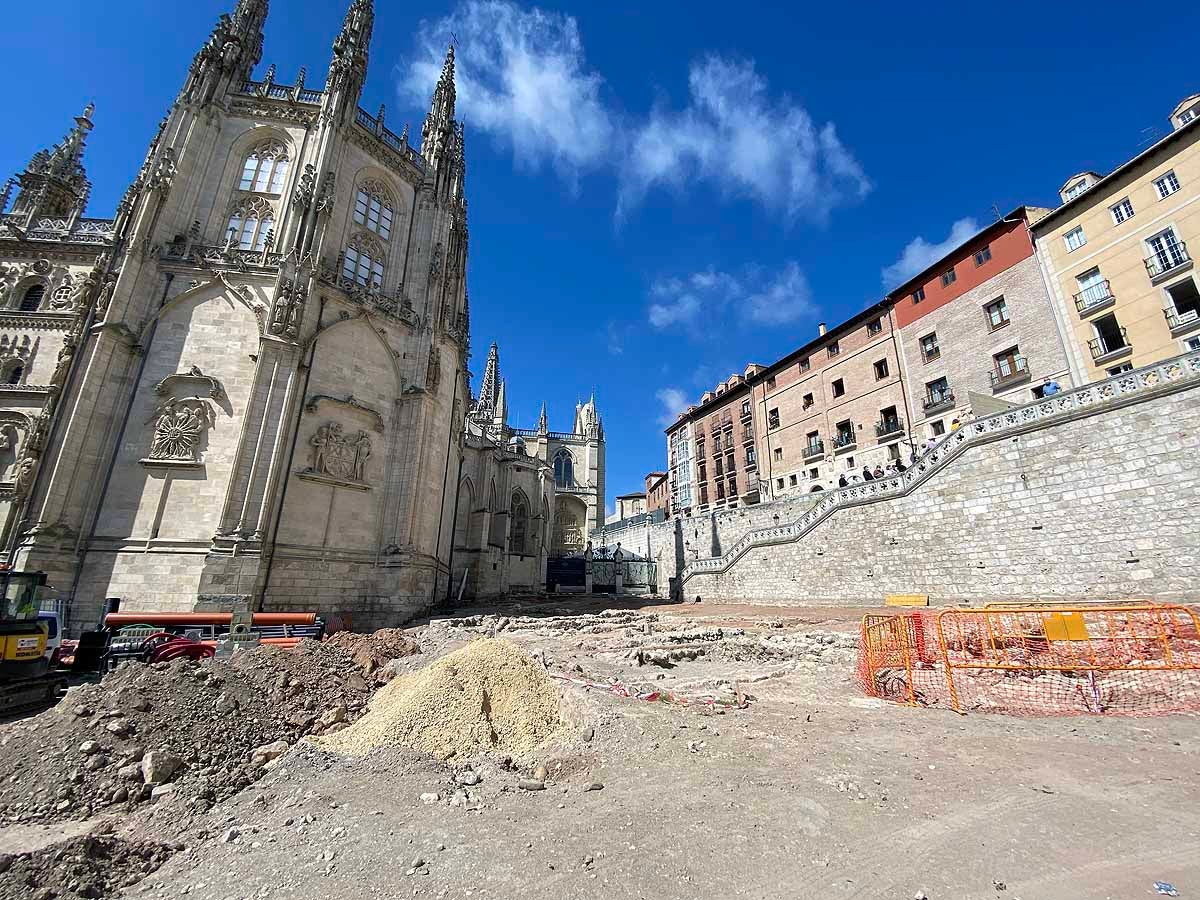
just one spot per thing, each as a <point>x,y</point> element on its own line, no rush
<point>338,458</point>
<point>183,418</point>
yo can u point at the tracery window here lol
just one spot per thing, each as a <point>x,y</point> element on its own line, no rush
<point>32,298</point>
<point>265,169</point>
<point>373,209</point>
<point>13,372</point>
<point>363,263</point>
<point>250,223</point>
<point>564,469</point>
<point>519,532</point>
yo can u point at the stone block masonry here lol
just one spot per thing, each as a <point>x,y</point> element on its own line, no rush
<point>1091,495</point>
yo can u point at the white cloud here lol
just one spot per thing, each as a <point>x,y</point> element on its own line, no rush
<point>674,401</point>
<point>920,254</point>
<point>733,133</point>
<point>757,296</point>
<point>521,76</point>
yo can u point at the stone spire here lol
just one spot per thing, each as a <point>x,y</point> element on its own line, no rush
<point>249,19</point>
<point>348,67</point>
<point>543,421</point>
<point>227,59</point>
<point>54,184</point>
<point>491,379</point>
<point>438,129</point>
<point>500,419</point>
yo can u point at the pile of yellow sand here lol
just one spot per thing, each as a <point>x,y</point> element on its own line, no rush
<point>489,695</point>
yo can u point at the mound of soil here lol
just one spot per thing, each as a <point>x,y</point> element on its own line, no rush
<point>372,652</point>
<point>89,866</point>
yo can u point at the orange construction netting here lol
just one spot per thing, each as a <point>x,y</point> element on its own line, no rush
<point>1137,659</point>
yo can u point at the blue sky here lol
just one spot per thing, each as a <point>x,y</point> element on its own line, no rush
<point>661,193</point>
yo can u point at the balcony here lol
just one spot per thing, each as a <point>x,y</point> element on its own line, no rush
<point>1009,371</point>
<point>938,401</point>
<point>748,436</point>
<point>843,441</point>
<point>1182,320</point>
<point>1167,259</point>
<point>813,450</point>
<point>1105,349</point>
<point>1094,298</point>
<point>746,415</point>
<point>889,428</point>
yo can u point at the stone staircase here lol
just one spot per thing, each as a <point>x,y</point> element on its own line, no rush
<point>1137,386</point>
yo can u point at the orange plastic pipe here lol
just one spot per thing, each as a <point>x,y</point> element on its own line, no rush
<point>119,620</point>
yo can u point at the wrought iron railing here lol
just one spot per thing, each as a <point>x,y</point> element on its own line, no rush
<point>844,440</point>
<point>1167,257</point>
<point>1092,296</point>
<point>1009,369</point>
<point>1106,346</point>
<point>938,400</point>
<point>1181,318</point>
<point>887,427</point>
<point>814,449</point>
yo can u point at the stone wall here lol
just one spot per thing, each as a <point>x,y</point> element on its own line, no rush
<point>1092,495</point>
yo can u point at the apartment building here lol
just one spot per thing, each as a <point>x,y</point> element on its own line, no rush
<point>722,452</point>
<point>832,406</point>
<point>658,493</point>
<point>1116,256</point>
<point>978,323</point>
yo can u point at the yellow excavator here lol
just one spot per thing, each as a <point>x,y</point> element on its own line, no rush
<point>26,682</point>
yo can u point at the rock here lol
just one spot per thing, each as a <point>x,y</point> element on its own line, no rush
<point>119,727</point>
<point>332,716</point>
<point>226,704</point>
<point>96,763</point>
<point>468,777</point>
<point>540,773</point>
<point>588,734</point>
<point>920,895</point>
<point>87,748</point>
<point>63,805</point>
<point>160,766</point>
<point>593,786</point>
<point>163,792</point>
<point>230,836</point>
<point>140,704</point>
<point>82,710</point>
<point>120,795</point>
<point>531,784</point>
<point>416,863</point>
<point>260,756</point>
<point>430,798</point>
<point>131,772</point>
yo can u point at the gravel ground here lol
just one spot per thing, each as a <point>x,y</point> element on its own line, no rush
<point>790,785</point>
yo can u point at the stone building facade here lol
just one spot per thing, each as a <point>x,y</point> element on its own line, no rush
<point>257,391</point>
<point>988,333</point>
<point>1118,255</point>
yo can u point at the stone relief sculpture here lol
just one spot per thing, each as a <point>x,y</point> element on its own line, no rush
<point>288,310</point>
<point>10,439</point>
<point>433,373</point>
<point>177,429</point>
<point>339,456</point>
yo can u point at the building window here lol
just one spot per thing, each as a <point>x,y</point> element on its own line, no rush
<point>14,373</point>
<point>839,387</point>
<point>773,418</point>
<point>792,480</point>
<point>982,256</point>
<point>718,468</point>
<point>733,484</point>
<point>804,364</point>
<point>1190,344</point>
<point>1128,366</point>
<point>845,434</point>
<point>32,298</point>
<point>720,491</point>
<point>949,277</point>
<point>250,224</point>
<point>1166,185</point>
<point>930,350</point>
<point>1076,189</point>
<point>1166,252</point>
<point>1075,238</point>
<point>937,391</point>
<point>833,349</point>
<point>808,401</point>
<point>363,265</point>
<point>265,169</point>
<point>372,209</point>
<point>1186,302</point>
<point>881,370</point>
<point>771,383</point>
<point>814,474</point>
<point>849,463</point>
<point>1093,289</point>
<point>1110,336</point>
<point>938,428</point>
<point>778,454</point>
<point>745,407</point>
<point>564,469</point>
<point>874,328</point>
<point>918,295</point>
<point>751,457</point>
<point>1187,115</point>
<point>779,483</point>
<point>1008,363</point>
<point>1121,211</point>
<point>997,313</point>
<point>519,530</point>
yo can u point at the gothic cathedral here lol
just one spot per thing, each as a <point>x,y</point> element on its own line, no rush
<point>251,385</point>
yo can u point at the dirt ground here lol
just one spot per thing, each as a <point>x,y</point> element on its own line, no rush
<point>810,791</point>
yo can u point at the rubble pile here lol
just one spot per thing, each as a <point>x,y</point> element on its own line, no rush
<point>802,646</point>
<point>489,695</point>
<point>372,652</point>
<point>556,626</point>
<point>197,732</point>
<point>88,866</point>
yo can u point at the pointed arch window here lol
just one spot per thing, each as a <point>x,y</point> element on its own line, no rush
<point>362,263</point>
<point>31,300</point>
<point>373,209</point>
<point>13,372</point>
<point>564,469</point>
<point>250,223</point>
<point>265,169</point>
<point>518,535</point>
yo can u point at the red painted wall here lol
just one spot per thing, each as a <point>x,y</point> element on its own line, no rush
<point>1010,244</point>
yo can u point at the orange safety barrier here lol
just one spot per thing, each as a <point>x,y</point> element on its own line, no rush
<point>1037,660</point>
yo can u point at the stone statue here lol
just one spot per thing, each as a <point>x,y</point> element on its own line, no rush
<point>105,295</point>
<point>321,442</point>
<point>84,289</point>
<point>362,451</point>
<point>24,480</point>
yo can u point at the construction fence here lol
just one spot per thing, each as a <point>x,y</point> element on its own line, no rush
<point>1135,659</point>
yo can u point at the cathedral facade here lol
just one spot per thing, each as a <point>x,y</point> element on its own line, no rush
<point>524,494</point>
<point>251,383</point>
